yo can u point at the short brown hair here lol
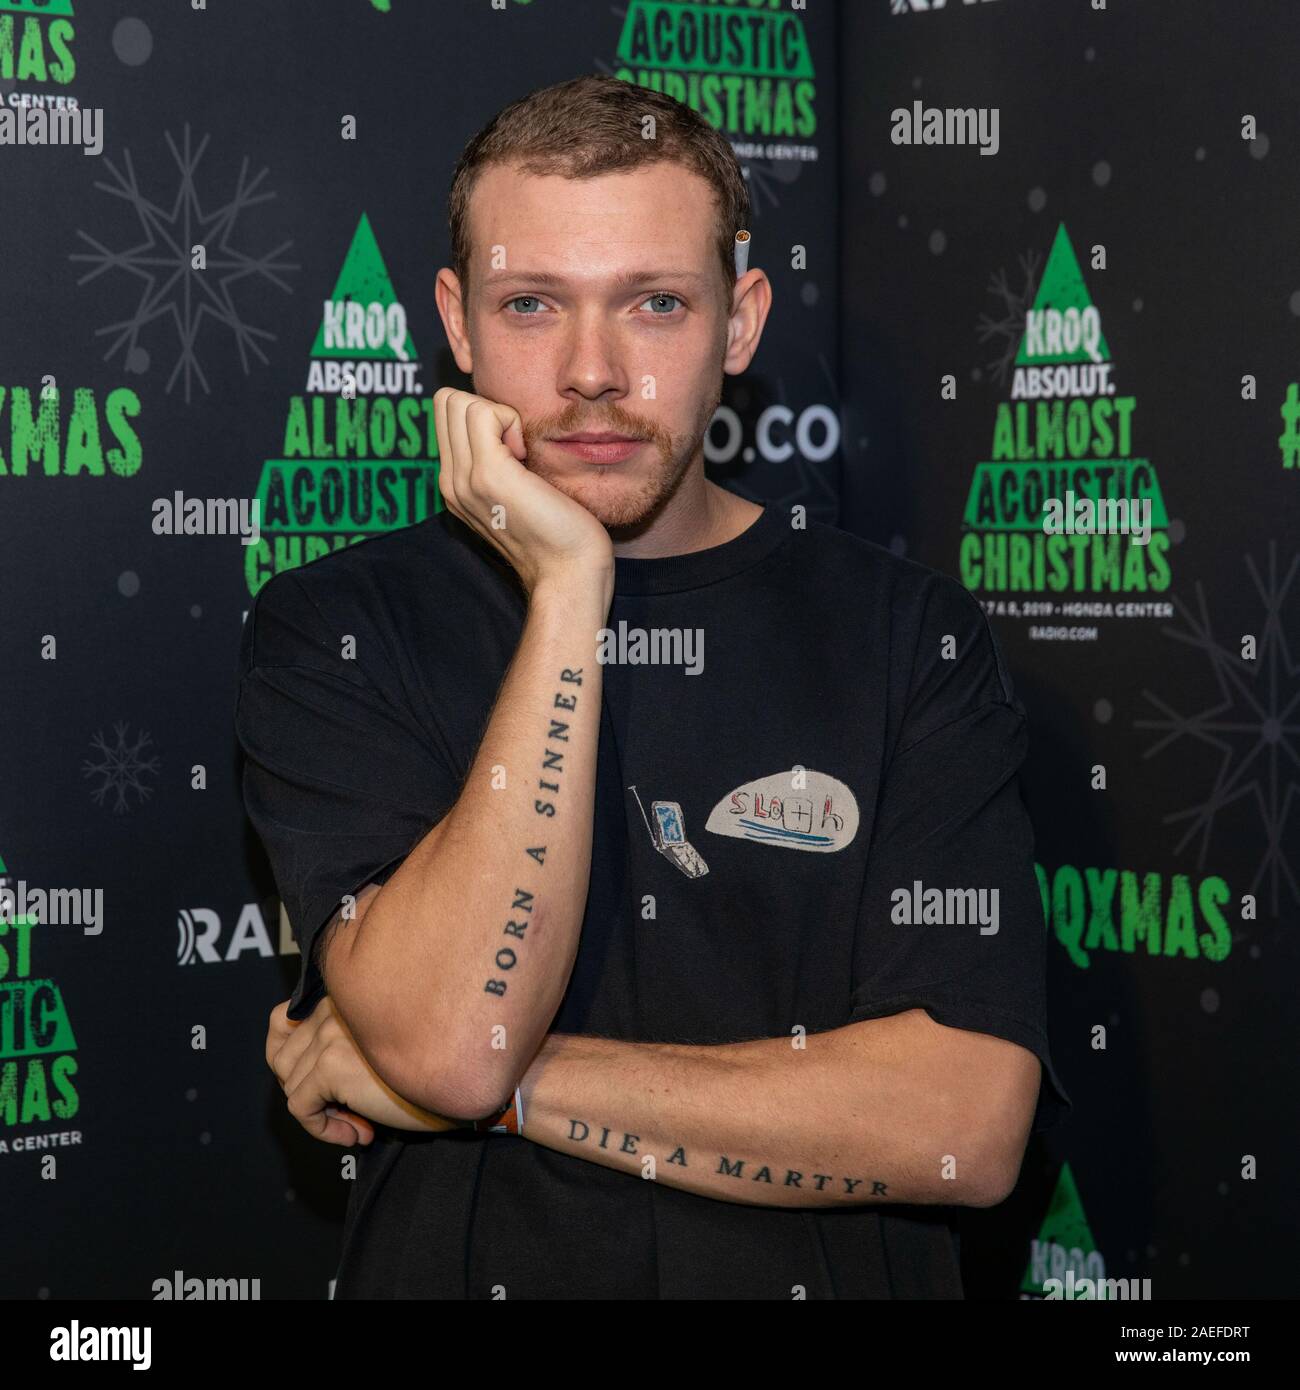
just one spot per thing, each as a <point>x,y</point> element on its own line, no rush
<point>593,125</point>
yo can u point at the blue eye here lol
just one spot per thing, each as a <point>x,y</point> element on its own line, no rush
<point>662,296</point>
<point>527,299</point>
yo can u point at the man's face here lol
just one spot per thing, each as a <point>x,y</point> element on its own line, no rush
<point>596,308</point>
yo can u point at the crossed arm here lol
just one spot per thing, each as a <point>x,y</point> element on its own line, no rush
<point>896,1109</point>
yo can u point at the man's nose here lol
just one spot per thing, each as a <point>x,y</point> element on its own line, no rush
<point>592,363</point>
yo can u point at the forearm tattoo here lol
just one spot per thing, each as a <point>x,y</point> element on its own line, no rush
<point>522,909</point>
<point>741,1169</point>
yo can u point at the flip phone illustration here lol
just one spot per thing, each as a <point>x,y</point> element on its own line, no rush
<point>668,835</point>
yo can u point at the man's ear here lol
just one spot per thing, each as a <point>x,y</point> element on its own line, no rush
<point>451,306</point>
<point>751,300</point>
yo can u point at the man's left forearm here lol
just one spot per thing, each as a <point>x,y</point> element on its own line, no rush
<point>897,1109</point>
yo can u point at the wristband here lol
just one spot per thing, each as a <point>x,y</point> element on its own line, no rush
<point>509,1121</point>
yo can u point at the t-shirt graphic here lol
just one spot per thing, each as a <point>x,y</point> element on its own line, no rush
<point>799,809</point>
<point>669,837</point>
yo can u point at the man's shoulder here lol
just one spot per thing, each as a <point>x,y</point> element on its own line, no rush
<point>860,569</point>
<point>420,561</point>
<point>436,578</point>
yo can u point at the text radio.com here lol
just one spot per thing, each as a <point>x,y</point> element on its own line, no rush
<point>1062,634</point>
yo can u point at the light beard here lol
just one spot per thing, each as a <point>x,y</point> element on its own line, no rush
<point>617,502</point>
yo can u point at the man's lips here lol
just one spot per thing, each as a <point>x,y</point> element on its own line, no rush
<point>595,437</point>
<point>601,446</point>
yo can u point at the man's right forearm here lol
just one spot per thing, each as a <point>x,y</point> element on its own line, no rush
<point>452,976</point>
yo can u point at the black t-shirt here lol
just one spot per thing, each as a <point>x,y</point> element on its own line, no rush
<point>851,732</point>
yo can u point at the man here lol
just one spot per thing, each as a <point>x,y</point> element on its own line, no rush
<point>683,833</point>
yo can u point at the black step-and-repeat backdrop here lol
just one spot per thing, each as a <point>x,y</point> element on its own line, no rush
<point>1022,250</point>
<point>1088,290</point>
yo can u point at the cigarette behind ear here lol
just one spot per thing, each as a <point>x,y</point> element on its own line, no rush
<point>742,253</point>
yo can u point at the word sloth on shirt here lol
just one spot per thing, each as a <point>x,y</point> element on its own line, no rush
<point>948,907</point>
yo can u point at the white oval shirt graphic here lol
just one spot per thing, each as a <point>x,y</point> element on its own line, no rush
<point>799,809</point>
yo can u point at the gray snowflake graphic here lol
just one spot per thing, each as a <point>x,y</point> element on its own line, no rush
<point>766,179</point>
<point>170,288</point>
<point>121,767</point>
<point>1007,327</point>
<point>1253,725</point>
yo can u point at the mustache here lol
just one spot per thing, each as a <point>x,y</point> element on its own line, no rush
<point>578,418</point>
